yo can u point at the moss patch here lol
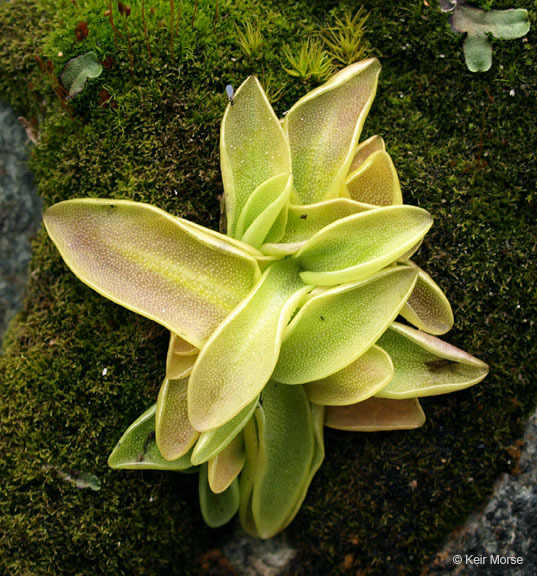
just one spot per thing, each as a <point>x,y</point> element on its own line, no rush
<point>464,146</point>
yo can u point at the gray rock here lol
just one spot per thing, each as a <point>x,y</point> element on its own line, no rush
<point>505,528</point>
<point>20,213</point>
<point>254,557</point>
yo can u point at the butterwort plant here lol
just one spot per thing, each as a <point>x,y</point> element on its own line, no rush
<point>308,313</point>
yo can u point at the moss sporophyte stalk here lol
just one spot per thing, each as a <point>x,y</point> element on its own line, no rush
<point>288,323</point>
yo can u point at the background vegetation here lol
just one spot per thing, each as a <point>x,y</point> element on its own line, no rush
<point>77,369</point>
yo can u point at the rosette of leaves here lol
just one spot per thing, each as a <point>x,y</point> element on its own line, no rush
<point>287,323</point>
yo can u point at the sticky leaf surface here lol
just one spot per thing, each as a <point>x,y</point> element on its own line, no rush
<point>337,326</point>
<point>148,261</point>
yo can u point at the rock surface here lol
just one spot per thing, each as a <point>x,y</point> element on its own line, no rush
<point>505,528</point>
<point>20,214</point>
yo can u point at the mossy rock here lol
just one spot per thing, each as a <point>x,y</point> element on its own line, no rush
<point>77,369</point>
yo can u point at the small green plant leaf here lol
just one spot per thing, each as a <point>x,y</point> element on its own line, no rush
<point>286,448</point>
<point>238,359</point>
<point>190,282</point>
<point>357,246</point>
<point>355,383</point>
<point>428,308</point>
<point>217,509</point>
<point>427,366</point>
<point>78,70</point>
<point>310,62</point>
<point>505,24</point>
<point>253,148</point>
<point>345,39</point>
<point>375,181</point>
<point>137,448</point>
<point>214,441</point>
<point>477,53</point>
<point>365,149</point>
<point>174,434</point>
<point>375,415</point>
<point>335,327</point>
<point>323,129</point>
<point>263,208</point>
<point>226,465</point>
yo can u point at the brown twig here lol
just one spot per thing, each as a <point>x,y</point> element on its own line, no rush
<point>58,89</point>
<point>110,14</point>
<point>145,31</point>
<point>215,17</point>
<point>172,26</point>
<point>194,15</point>
<point>125,11</point>
<point>482,134</point>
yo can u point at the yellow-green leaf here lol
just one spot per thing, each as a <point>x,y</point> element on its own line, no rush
<point>180,359</point>
<point>355,383</point>
<point>375,181</point>
<point>376,414</point>
<point>365,149</point>
<point>239,358</point>
<point>151,263</point>
<point>137,449</point>
<point>246,480</point>
<point>263,208</point>
<point>305,221</point>
<point>317,415</point>
<point>324,127</point>
<point>174,434</point>
<point>217,509</point>
<point>426,366</point>
<point>212,442</point>
<point>357,246</point>
<point>253,147</point>
<point>335,327</point>
<point>286,448</point>
<point>428,308</point>
<point>226,465</point>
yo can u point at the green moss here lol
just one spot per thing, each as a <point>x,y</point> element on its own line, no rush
<point>465,150</point>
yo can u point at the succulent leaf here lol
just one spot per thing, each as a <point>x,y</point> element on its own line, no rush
<point>214,441</point>
<point>149,262</point>
<point>425,365</point>
<point>428,308</point>
<point>217,509</point>
<point>263,208</point>
<point>137,448</point>
<point>360,380</point>
<point>303,221</point>
<point>335,327</point>
<point>365,149</point>
<point>286,448</point>
<point>239,358</point>
<point>226,465</point>
<point>375,181</point>
<point>323,129</point>
<point>180,358</point>
<point>246,485</point>
<point>375,415</point>
<point>174,434</point>
<point>253,147</point>
<point>317,415</point>
<point>359,245</point>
